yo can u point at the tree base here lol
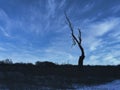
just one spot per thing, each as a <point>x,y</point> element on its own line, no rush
<point>80,61</point>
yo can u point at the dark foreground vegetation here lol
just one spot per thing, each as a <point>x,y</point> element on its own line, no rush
<point>48,74</point>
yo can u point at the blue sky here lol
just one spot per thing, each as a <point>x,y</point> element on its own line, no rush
<point>36,30</point>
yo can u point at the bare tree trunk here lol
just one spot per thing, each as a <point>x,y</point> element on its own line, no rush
<point>81,58</point>
<point>80,61</point>
<point>78,41</point>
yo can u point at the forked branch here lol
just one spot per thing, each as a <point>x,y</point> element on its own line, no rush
<point>71,28</point>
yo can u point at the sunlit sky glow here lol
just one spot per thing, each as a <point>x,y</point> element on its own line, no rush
<point>36,30</point>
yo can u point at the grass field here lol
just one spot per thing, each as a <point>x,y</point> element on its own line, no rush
<point>45,75</point>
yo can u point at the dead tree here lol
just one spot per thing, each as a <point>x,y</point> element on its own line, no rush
<point>76,40</point>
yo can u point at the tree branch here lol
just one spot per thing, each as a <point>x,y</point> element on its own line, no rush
<point>79,36</point>
<point>71,28</point>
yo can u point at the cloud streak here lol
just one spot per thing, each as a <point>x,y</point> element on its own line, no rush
<point>101,39</point>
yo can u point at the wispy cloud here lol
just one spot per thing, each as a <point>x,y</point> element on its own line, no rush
<point>2,49</point>
<point>4,32</point>
<point>115,9</point>
<point>4,23</point>
<point>109,58</point>
<point>87,7</point>
<point>62,3</point>
<point>58,55</point>
<point>101,41</point>
<point>101,27</point>
<point>51,8</point>
<point>98,29</point>
<point>103,59</point>
<point>8,25</point>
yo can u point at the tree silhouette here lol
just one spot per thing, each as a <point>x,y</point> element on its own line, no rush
<point>76,40</point>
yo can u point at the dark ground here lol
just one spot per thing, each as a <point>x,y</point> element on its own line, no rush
<point>47,74</point>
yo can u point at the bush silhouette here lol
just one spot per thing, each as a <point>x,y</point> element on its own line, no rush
<point>6,61</point>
